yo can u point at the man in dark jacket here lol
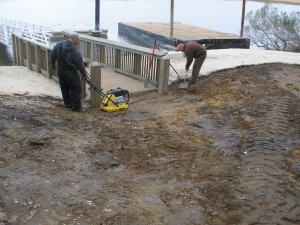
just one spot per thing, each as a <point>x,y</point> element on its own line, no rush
<point>69,60</point>
<point>193,50</point>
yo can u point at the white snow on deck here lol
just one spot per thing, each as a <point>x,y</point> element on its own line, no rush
<point>230,58</point>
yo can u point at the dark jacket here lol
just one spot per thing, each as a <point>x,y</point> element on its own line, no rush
<point>68,58</point>
<point>193,50</point>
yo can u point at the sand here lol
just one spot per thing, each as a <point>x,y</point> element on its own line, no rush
<point>17,80</point>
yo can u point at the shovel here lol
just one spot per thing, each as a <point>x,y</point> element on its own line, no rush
<point>185,83</point>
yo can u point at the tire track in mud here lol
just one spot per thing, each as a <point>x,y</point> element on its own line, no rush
<point>261,135</point>
<point>264,174</point>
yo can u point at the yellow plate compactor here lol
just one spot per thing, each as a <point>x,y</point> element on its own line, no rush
<point>114,100</point>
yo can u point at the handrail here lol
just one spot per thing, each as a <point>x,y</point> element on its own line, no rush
<point>13,23</point>
<point>35,32</point>
<point>125,46</point>
<point>128,59</point>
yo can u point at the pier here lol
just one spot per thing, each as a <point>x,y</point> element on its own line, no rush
<point>146,33</point>
<point>33,32</point>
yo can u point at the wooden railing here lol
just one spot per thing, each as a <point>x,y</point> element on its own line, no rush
<point>33,32</point>
<point>126,59</point>
<point>34,55</point>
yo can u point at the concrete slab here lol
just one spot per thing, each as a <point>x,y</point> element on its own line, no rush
<point>21,81</point>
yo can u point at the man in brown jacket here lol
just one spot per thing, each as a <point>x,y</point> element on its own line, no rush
<point>193,50</point>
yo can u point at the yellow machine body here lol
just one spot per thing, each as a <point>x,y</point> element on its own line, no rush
<point>108,104</point>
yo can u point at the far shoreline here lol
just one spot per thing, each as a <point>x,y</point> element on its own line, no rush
<point>292,2</point>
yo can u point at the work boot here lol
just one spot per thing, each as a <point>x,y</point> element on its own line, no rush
<point>79,109</point>
<point>68,106</point>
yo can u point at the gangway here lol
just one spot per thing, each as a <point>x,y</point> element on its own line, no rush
<point>34,32</point>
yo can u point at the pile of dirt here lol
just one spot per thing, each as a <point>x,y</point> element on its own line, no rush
<point>225,151</point>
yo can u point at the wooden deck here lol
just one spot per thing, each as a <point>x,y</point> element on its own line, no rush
<point>146,33</point>
<point>181,30</point>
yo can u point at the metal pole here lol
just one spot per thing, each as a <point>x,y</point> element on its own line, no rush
<point>172,19</point>
<point>97,15</point>
<point>243,18</point>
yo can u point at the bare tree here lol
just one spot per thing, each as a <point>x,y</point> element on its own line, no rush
<point>273,30</point>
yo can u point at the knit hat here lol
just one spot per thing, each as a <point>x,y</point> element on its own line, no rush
<point>180,47</point>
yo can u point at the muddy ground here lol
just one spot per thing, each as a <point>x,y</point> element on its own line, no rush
<point>226,151</point>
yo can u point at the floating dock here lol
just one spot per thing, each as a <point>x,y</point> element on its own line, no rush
<point>146,33</point>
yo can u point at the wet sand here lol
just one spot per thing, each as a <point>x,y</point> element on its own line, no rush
<point>226,151</point>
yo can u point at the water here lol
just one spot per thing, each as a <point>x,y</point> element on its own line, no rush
<point>5,58</point>
<point>220,15</point>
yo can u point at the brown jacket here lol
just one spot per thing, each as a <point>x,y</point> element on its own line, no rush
<point>193,50</point>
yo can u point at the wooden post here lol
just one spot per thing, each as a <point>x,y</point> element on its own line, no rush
<point>243,18</point>
<point>29,56</point>
<point>96,80</point>
<point>38,58</point>
<point>172,19</point>
<point>21,51</point>
<point>15,50</point>
<point>163,80</point>
<point>48,69</point>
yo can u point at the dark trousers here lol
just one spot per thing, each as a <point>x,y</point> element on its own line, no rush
<point>197,67</point>
<point>70,86</point>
